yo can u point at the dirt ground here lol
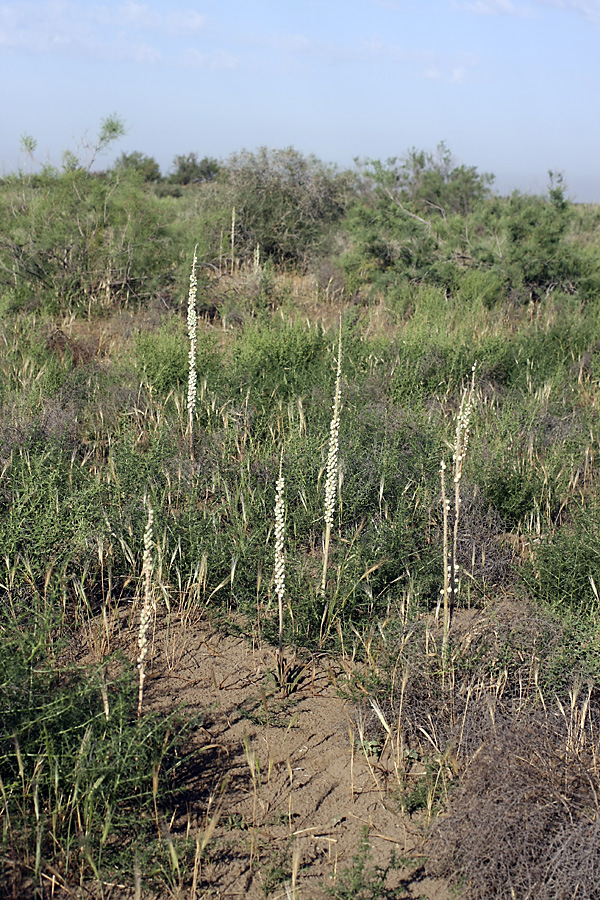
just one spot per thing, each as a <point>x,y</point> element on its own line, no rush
<point>283,793</point>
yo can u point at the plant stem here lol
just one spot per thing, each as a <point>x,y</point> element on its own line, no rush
<point>279,555</point>
<point>192,322</point>
<point>332,464</point>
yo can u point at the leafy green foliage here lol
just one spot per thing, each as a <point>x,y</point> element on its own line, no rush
<point>188,168</point>
<point>48,508</point>
<point>279,361</point>
<point>71,239</point>
<point>514,494</point>
<point>431,182</point>
<point>163,358</point>
<point>145,166</point>
<point>425,219</point>
<point>567,566</point>
<point>81,242</point>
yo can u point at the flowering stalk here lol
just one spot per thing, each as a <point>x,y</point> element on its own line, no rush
<point>192,324</point>
<point>447,566</point>
<point>232,240</point>
<point>146,613</point>
<point>460,452</point>
<point>331,480</point>
<point>279,554</point>
<point>461,442</point>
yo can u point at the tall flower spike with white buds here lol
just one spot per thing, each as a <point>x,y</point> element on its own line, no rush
<point>279,539</point>
<point>192,325</point>
<point>146,614</point>
<point>334,445</point>
<point>460,452</point>
<point>331,480</point>
<point>462,427</point>
<point>451,567</point>
<point>279,550</point>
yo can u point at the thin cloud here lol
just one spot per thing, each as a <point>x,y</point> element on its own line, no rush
<point>459,74</point>
<point>96,32</point>
<point>456,75</point>
<point>140,53</point>
<point>177,21</point>
<point>393,5</point>
<point>590,9</point>
<point>427,65</point>
<point>54,28</point>
<point>499,8</point>
<point>132,31</point>
<point>299,44</point>
<point>40,27</point>
<point>217,61</point>
<point>431,66</point>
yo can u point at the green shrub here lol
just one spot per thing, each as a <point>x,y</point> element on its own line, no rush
<point>48,508</point>
<point>426,367</point>
<point>163,359</point>
<point>481,286</point>
<point>279,361</point>
<point>567,566</point>
<point>81,242</point>
<point>515,493</point>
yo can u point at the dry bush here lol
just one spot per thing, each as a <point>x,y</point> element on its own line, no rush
<point>498,657</point>
<point>481,738</point>
<point>524,820</point>
<point>517,771</point>
<point>481,553</point>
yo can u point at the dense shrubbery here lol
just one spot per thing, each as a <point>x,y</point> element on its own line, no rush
<point>76,241</point>
<point>286,203</point>
<point>426,221</point>
<point>72,239</point>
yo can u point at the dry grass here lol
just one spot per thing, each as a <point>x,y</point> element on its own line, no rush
<point>508,776</point>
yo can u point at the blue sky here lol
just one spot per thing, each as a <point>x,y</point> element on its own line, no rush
<point>511,86</point>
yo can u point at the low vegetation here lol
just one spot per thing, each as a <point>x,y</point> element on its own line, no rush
<point>260,452</point>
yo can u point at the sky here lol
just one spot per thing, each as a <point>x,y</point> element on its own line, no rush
<point>511,86</point>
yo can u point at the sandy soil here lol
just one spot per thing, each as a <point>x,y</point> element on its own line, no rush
<point>282,789</point>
